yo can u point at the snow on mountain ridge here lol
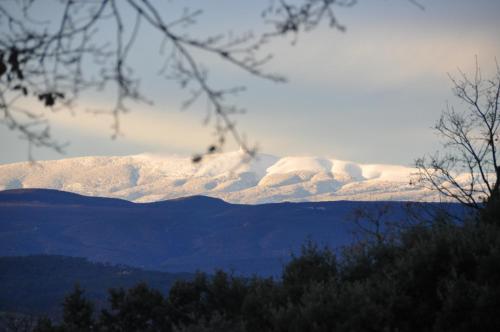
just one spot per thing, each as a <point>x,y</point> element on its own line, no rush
<point>267,178</point>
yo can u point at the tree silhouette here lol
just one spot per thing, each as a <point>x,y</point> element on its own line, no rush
<point>469,169</point>
<point>52,63</point>
<point>78,311</point>
<point>439,277</point>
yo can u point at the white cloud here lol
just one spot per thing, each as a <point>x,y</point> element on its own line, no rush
<point>383,57</point>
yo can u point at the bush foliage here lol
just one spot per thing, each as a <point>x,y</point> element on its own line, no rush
<point>439,277</point>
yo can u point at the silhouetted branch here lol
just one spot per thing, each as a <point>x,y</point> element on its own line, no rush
<point>469,172</point>
<point>51,63</point>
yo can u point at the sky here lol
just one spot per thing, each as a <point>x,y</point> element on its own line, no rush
<point>370,94</point>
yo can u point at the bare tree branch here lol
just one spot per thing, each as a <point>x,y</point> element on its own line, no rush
<point>469,172</point>
<point>51,63</point>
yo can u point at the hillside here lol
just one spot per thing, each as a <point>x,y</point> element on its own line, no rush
<point>180,235</point>
<point>38,284</point>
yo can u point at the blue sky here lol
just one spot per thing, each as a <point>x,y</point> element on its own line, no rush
<point>370,94</point>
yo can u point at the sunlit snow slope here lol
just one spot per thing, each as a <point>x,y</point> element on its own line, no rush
<point>146,178</point>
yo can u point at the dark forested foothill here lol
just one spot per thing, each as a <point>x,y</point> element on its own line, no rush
<point>442,276</point>
<point>38,284</point>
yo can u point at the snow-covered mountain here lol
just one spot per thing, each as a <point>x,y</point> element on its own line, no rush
<point>267,178</point>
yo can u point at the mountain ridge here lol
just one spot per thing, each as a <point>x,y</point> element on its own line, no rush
<point>228,176</point>
<point>181,235</point>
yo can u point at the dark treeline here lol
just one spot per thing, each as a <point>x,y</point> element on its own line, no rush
<point>37,284</point>
<point>441,276</point>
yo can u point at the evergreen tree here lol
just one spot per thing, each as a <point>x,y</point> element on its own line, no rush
<point>77,312</point>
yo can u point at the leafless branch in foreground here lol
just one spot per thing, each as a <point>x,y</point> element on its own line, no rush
<point>51,63</point>
<point>468,171</point>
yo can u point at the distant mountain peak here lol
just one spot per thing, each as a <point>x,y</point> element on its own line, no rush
<point>264,179</point>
